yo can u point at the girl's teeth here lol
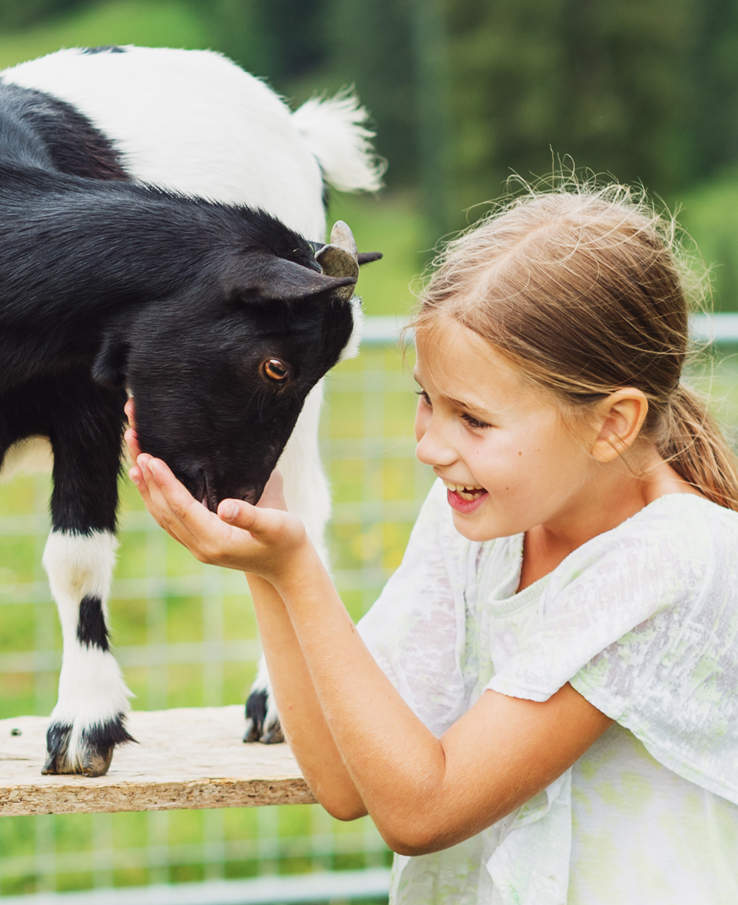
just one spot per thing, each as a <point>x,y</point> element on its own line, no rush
<point>466,493</point>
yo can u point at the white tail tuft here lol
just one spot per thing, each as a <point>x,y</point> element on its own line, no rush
<point>335,133</point>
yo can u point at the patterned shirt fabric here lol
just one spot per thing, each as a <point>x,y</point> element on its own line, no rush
<point>643,621</point>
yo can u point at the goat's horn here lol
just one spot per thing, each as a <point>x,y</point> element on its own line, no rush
<point>340,257</point>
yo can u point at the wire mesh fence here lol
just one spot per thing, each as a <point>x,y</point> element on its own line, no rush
<point>184,635</point>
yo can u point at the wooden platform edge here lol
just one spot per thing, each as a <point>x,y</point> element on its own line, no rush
<point>184,758</point>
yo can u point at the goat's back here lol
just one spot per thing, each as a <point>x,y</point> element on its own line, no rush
<point>237,140</point>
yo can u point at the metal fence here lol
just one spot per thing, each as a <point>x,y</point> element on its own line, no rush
<point>185,636</point>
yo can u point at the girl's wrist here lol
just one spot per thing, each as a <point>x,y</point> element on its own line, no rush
<point>295,572</point>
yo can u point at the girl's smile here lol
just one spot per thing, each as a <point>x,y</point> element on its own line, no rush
<point>465,499</point>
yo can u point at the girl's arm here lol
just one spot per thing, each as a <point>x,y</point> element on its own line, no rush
<point>425,793</point>
<point>300,713</point>
<point>422,792</point>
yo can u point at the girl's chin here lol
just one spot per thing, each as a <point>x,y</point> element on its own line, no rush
<point>463,506</point>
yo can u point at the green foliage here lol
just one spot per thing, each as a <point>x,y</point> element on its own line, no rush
<point>153,22</point>
<point>461,93</point>
<point>15,15</point>
<point>710,215</point>
<point>604,83</point>
<point>394,225</point>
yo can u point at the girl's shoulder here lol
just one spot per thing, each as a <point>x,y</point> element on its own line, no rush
<point>684,533</point>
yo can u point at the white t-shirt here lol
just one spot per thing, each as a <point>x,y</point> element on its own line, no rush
<point>643,622</point>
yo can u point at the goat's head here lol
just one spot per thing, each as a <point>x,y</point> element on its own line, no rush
<point>221,374</point>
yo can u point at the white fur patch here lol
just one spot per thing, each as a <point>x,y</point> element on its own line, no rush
<point>305,485</point>
<point>31,454</point>
<point>78,565</point>
<point>91,686</point>
<point>335,130</point>
<point>239,143</point>
<point>351,349</point>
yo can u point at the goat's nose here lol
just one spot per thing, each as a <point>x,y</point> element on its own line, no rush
<point>250,495</point>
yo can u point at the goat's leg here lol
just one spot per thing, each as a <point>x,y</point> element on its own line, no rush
<point>88,720</point>
<point>306,493</point>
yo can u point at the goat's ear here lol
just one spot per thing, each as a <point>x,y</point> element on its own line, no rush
<point>110,365</point>
<point>277,279</point>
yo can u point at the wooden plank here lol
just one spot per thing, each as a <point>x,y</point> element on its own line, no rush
<point>185,758</point>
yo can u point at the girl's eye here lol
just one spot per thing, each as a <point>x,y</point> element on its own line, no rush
<point>473,422</point>
<point>424,396</point>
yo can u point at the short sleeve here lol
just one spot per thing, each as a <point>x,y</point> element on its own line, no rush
<point>644,624</point>
<point>415,629</point>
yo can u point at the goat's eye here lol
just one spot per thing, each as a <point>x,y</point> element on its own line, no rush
<point>275,370</point>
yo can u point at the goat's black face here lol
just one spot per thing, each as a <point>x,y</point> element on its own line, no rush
<point>219,387</point>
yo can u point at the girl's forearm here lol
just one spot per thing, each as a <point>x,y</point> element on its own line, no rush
<point>301,715</point>
<point>395,762</point>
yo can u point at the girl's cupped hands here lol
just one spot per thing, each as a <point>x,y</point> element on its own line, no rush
<point>261,539</point>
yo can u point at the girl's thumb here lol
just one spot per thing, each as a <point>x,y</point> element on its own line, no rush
<point>258,521</point>
<point>237,512</point>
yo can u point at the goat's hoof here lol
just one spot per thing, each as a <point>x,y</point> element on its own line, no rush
<point>261,725</point>
<point>87,752</point>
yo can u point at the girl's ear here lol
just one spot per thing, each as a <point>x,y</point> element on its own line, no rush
<point>620,417</point>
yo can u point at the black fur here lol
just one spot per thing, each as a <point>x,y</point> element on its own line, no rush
<point>105,284</point>
<point>255,712</point>
<point>59,135</point>
<point>257,730</point>
<point>105,48</point>
<point>179,298</point>
<point>91,628</point>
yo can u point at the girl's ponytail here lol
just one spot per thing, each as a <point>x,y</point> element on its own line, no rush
<point>697,450</point>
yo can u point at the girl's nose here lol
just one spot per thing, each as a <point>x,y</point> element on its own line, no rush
<point>432,448</point>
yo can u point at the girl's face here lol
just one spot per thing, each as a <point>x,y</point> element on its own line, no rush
<point>498,442</point>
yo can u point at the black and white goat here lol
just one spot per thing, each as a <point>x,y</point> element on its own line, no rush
<point>116,272</point>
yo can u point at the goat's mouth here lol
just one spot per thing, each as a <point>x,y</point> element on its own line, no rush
<point>204,490</point>
<point>209,497</point>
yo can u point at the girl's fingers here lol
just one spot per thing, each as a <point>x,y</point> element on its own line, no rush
<point>236,512</point>
<point>240,535</point>
<point>170,498</point>
<point>130,410</point>
<point>131,438</point>
<point>208,537</point>
<point>265,525</point>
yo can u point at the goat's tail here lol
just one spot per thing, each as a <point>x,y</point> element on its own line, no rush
<point>336,132</point>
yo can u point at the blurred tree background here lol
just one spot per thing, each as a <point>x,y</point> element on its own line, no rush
<point>464,92</point>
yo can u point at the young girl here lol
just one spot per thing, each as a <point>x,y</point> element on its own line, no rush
<point>542,706</point>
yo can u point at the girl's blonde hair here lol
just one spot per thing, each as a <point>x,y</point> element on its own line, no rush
<point>583,289</point>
